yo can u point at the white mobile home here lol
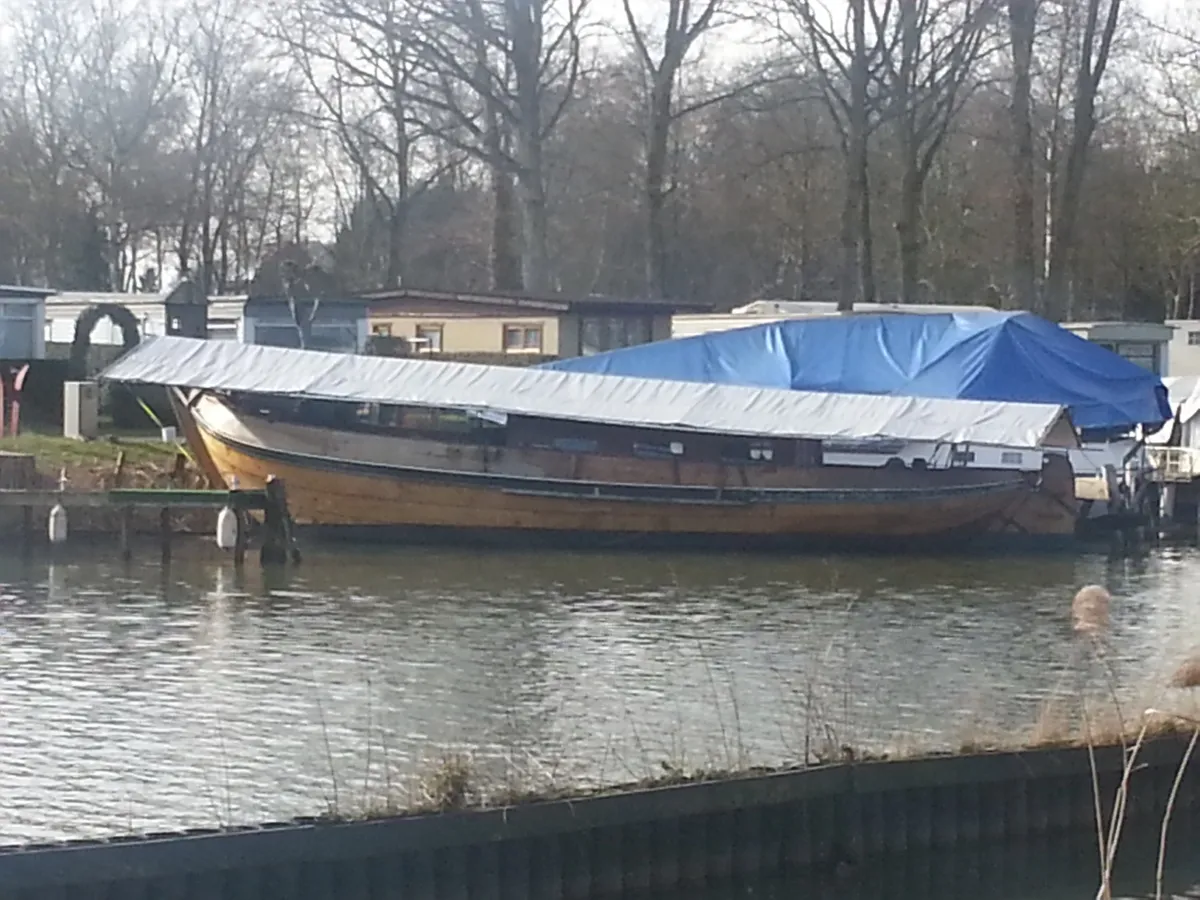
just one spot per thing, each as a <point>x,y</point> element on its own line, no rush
<point>22,322</point>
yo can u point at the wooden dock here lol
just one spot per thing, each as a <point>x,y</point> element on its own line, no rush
<point>278,538</point>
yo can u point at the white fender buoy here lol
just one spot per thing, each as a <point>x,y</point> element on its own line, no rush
<point>227,528</point>
<point>57,526</point>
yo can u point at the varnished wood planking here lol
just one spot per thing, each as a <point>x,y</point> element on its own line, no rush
<point>331,498</point>
<point>543,463</point>
<point>327,497</point>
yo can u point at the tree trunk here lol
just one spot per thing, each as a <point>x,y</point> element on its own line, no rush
<point>525,54</point>
<point>505,250</point>
<point>859,180</point>
<point>183,249</point>
<point>531,194</point>
<point>397,231</point>
<point>1093,59</point>
<point>848,280</point>
<point>207,253</point>
<point>398,214</point>
<point>866,242</point>
<point>658,139</point>
<point>908,231</point>
<point>535,269</point>
<point>1066,217</point>
<point>656,229</point>
<point>1022,20</point>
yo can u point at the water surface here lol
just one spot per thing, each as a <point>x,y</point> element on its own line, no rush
<point>134,697</point>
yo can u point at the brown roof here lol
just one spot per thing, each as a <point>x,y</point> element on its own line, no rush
<point>552,303</point>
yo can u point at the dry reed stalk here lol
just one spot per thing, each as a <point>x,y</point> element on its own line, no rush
<point>1052,726</point>
<point>1099,812</point>
<point>1187,676</point>
<point>1117,820</point>
<point>1166,822</point>
<point>1090,617</point>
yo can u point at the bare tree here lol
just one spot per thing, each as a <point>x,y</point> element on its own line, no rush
<point>1022,30</point>
<point>46,42</point>
<point>357,61</point>
<point>846,59</point>
<point>661,65</point>
<point>241,108</point>
<point>129,142</point>
<point>126,116</point>
<point>928,72</point>
<point>500,69</point>
<point>1095,44</point>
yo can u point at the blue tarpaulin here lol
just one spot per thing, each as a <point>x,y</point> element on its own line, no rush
<point>971,356</point>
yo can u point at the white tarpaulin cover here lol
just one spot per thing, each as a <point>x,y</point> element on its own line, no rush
<point>1184,396</point>
<point>640,402</point>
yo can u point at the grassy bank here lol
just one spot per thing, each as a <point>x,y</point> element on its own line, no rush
<point>93,464</point>
<point>456,780</point>
<point>128,460</point>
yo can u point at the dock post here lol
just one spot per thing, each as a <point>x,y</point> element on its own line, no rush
<point>239,547</point>
<point>18,472</point>
<point>278,547</point>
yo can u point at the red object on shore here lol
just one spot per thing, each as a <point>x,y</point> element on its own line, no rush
<point>12,383</point>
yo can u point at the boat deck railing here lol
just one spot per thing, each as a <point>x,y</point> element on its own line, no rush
<point>1174,464</point>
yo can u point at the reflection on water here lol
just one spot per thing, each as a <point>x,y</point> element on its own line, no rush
<point>135,698</point>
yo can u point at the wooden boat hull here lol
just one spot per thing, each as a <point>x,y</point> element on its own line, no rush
<point>373,499</point>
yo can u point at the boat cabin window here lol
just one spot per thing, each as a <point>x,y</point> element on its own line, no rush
<point>645,443</point>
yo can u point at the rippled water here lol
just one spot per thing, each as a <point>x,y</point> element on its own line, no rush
<point>133,698</point>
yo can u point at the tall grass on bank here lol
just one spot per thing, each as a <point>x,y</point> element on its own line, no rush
<point>500,770</point>
<point>1090,612</point>
<point>1186,678</point>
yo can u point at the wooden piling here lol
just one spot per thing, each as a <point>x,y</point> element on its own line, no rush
<point>243,537</point>
<point>278,530</point>
<point>119,470</point>
<point>17,471</point>
<point>275,549</point>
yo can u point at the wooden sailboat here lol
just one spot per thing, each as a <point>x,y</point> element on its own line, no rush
<point>508,462</point>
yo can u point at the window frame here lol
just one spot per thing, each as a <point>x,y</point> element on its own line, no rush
<point>617,330</point>
<point>523,329</point>
<point>422,329</point>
